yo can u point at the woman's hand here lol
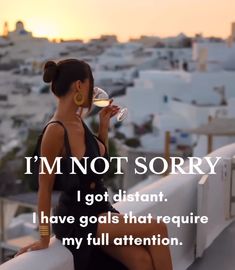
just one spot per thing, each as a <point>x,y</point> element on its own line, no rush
<point>34,246</point>
<point>107,112</point>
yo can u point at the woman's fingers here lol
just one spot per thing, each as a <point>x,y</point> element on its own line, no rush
<point>109,111</point>
<point>113,113</point>
<point>36,248</point>
<point>23,250</point>
<point>111,100</point>
<point>27,248</point>
<point>112,109</point>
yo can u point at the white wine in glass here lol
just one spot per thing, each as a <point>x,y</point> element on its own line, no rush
<point>101,102</point>
<point>101,99</point>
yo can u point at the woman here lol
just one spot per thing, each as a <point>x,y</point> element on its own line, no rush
<point>72,84</point>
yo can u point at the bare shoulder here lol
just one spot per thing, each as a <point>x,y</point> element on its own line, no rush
<point>52,140</point>
<point>53,131</point>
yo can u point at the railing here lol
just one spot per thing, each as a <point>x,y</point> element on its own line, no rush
<point>182,192</point>
<point>210,195</point>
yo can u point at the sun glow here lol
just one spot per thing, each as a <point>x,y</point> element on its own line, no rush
<point>86,19</point>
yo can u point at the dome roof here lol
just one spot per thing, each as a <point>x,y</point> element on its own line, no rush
<point>19,25</point>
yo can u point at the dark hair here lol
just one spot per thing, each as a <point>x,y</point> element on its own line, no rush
<point>64,73</point>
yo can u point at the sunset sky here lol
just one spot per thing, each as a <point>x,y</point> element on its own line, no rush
<point>125,18</point>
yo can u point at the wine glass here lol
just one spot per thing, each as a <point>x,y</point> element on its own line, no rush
<point>101,99</point>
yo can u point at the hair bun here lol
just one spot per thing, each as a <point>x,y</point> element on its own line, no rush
<point>50,70</point>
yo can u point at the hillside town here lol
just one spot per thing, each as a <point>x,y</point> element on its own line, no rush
<point>180,96</point>
<point>183,80</point>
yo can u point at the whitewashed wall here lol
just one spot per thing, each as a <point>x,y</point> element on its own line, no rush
<point>181,191</point>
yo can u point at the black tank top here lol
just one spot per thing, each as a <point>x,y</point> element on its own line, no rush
<point>87,257</point>
<point>89,183</point>
<point>66,181</point>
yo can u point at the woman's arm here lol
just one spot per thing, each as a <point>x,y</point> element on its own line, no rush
<point>51,147</point>
<point>105,114</point>
<point>103,133</point>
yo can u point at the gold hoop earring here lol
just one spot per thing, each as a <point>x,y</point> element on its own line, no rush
<point>78,98</point>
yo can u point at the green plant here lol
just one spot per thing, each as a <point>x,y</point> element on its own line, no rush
<point>119,135</point>
<point>30,144</point>
<point>45,89</point>
<point>132,142</point>
<point>108,177</point>
<point>17,122</point>
<point>148,127</point>
<point>11,155</point>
